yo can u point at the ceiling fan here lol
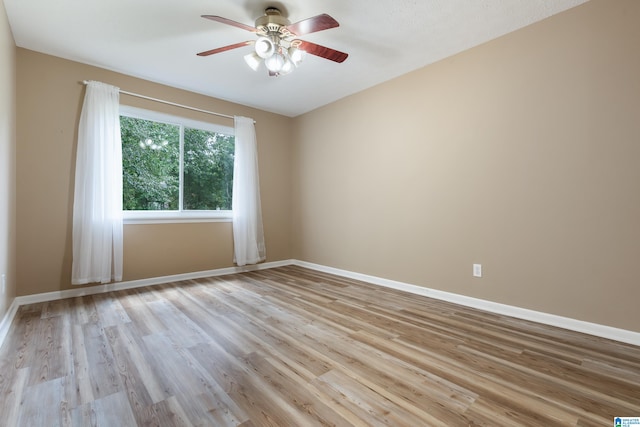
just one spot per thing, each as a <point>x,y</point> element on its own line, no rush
<point>277,44</point>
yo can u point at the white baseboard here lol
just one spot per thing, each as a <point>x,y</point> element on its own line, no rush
<point>99,289</point>
<point>602,331</point>
<point>5,323</point>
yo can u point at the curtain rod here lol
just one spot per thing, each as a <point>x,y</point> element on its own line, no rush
<point>162,101</point>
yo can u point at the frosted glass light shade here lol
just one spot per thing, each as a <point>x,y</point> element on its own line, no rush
<point>264,47</point>
<point>253,60</point>
<point>274,63</point>
<point>296,55</point>
<point>287,67</point>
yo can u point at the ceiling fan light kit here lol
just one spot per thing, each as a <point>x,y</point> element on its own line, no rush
<point>265,47</point>
<point>277,45</point>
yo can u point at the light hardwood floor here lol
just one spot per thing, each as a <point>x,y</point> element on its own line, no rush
<point>295,347</point>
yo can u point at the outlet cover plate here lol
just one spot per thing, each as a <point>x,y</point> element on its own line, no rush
<point>477,270</point>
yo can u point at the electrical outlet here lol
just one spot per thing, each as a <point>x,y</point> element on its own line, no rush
<point>477,270</point>
<point>4,283</point>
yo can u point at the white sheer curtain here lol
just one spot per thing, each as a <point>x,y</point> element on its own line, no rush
<point>97,203</point>
<point>248,236</point>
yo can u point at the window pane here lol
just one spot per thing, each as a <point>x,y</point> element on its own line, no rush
<point>150,164</point>
<point>208,170</point>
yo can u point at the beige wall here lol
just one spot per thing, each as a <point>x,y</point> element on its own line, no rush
<point>48,109</point>
<point>7,162</point>
<point>522,154</point>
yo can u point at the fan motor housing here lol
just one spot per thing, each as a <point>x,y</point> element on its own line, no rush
<point>271,21</point>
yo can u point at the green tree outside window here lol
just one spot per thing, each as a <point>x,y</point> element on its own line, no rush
<point>151,166</point>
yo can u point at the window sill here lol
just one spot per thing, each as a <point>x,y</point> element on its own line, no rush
<point>155,217</point>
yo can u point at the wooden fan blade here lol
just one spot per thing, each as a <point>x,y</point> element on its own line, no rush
<point>230,22</point>
<point>225,48</point>
<point>312,25</point>
<point>322,51</point>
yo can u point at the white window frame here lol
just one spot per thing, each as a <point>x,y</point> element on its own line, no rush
<point>180,215</point>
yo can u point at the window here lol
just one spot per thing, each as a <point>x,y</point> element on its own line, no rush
<point>174,168</point>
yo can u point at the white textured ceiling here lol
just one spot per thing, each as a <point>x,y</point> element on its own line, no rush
<point>158,40</point>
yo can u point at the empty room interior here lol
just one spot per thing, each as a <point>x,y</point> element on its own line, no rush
<point>425,213</point>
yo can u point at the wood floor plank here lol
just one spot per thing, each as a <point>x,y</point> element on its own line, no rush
<point>50,360</point>
<point>183,331</point>
<point>368,405</point>
<point>139,312</point>
<point>11,396</point>
<point>128,367</point>
<point>21,340</point>
<point>171,414</point>
<point>43,403</point>
<point>252,393</point>
<point>103,374</point>
<point>296,347</point>
<point>110,310</point>
<point>81,376</point>
<point>110,410</point>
